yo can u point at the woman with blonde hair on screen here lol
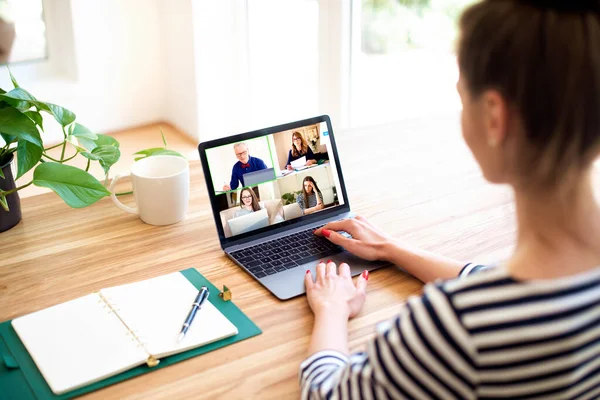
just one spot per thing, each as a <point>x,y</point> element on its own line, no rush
<point>300,149</point>
<point>248,202</point>
<point>529,328</point>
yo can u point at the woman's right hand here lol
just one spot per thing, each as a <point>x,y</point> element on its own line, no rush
<point>289,167</point>
<point>367,241</point>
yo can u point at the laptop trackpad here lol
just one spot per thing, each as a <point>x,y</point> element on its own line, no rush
<point>290,283</point>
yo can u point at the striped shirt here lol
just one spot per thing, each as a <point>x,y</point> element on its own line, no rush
<point>485,336</point>
<point>312,200</point>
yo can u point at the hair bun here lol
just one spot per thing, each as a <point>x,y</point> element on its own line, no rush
<point>580,6</point>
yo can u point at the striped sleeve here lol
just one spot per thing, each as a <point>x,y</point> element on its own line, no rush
<point>473,268</point>
<point>424,353</point>
<point>300,201</point>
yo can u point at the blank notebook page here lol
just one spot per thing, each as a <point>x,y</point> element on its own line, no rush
<point>77,343</point>
<point>155,310</point>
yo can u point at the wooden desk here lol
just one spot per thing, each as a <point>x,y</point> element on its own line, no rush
<point>417,180</point>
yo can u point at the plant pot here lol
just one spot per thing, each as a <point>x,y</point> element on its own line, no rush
<point>10,218</point>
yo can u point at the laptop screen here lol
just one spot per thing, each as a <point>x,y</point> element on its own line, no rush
<point>273,177</point>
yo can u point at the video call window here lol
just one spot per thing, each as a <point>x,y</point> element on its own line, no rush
<point>267,180</point>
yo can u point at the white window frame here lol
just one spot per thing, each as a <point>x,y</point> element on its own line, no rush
<point>336,19</point>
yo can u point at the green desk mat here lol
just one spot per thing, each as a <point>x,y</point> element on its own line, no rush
<point>24,381</point>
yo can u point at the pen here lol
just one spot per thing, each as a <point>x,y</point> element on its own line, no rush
<point>200,298</point>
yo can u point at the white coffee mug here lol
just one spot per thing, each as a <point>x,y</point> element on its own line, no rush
<point>161,187</point>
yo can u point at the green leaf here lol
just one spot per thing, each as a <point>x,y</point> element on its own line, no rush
<point>90,156</point>
<point>28,155</point>
<point>2,174</point>
<point>20,99</point>
<point>105,140</point>
<point>17,124</point>
<point>149,152</point>
<point>8,138</point>
<point>101,140</point>
<point>163,138</point>
<point>108,156</point>
<point>36,117</point>
<point>88,144</point>
<point>76,187</point>
<point>61,114</point>
<point>23,100</point>
<point>157,151</point>
<point>15,99</point>
<point>79,136</point>
<point>19,94</point>
<point>3,202</point>
<point>81,131</point>
<point>12,78</point>
<point>75,143</point>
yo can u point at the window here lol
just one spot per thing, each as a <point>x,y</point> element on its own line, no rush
<point>403,63</point>
<point>283,60</point>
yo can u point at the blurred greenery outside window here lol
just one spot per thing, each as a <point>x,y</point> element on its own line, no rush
<point>393,26</point>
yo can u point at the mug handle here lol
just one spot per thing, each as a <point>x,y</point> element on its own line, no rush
<point>113,196</point>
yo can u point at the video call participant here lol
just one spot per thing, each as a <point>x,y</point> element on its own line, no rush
<point>245,164</point>
<point>248,203</point>
<point>311,199</point>
<point>300,149</point>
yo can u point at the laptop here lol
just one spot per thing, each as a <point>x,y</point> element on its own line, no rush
<point>279,254</point>
<point>256,177</point>
<point>249,222</point>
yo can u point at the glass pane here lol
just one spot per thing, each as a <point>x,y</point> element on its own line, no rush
<point>405,65</point>
<point>22,31</point>
<point>283,54</point>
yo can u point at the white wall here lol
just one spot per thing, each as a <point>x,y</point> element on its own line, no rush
<point>221,71</point>
<point>180,100</point>
<point>124,63</point>
<point>257,64</point>
<point>119,59</point>
<point>115,77</point>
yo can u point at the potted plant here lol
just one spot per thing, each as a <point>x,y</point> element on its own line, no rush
<point>290,198</point>
<point>21,129</point>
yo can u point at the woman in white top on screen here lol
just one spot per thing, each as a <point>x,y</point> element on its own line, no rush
<point>248,203</point>
<point>530,328</point>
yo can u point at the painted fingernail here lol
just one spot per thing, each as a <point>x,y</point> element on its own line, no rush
<point>328,261</point>
<point>326,232</point>
<point>307,271</point>
<point>365,275</point>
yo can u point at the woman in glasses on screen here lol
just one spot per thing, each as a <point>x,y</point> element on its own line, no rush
<point>248,203</point>
<point>530,88</point>
<point>311,198</point>
<point>300,149</point>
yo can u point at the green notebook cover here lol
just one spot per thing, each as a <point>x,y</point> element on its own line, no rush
<point>20,378</point>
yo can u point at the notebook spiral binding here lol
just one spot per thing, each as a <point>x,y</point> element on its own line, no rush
<point>151,361</point>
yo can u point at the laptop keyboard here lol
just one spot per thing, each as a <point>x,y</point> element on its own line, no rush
<point>285,253</point>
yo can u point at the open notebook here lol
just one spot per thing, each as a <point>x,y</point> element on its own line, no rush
<point>105,333</point>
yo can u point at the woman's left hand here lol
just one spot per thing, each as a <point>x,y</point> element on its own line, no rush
<point>334,291</point>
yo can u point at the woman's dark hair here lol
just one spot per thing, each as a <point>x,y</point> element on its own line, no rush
<point>304,147</point>
<point>255,205</point>
<point>544,58</point>
<point>305,194</point>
